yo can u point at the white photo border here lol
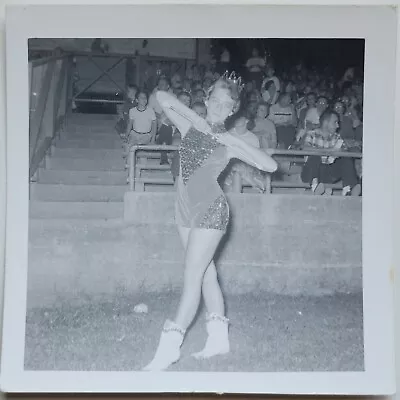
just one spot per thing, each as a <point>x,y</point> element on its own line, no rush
<point>375,24</point>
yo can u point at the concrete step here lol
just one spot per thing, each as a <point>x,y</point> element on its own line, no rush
<point>91,117</point>
<point>91,130</point>
<point>68,177</point>
<point>67,193</point>
<point>101,126</point>
<point>90,136</point>
<point>159,188</point>
<point>87,143</point>
<point>75,210</point>
<point>84,164</point>
<point>93,154</point>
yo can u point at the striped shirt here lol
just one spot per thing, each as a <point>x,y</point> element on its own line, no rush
<point>316,139</point>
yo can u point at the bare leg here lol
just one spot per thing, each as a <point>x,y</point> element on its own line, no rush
<point>212,293</point>
<point>217,324</point>
<point>200,250</point>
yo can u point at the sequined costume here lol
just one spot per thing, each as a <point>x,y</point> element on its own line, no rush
<point>201,203</point>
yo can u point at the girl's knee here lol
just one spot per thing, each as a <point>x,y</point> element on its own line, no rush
<point>210,275</point>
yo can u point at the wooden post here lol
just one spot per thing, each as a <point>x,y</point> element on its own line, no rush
<point>37,119</point>
<point>237,182</point>
<point>59,99</point>
<point>268,188</point>
<point>138,70</point>
<point>48,117</point>
<point>132,172</point>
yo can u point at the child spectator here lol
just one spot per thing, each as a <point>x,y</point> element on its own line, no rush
<point>185,98</point>
<point>200,109</point>
<point>328,169</point>
<point>141,127</point>
<point>198,96</point>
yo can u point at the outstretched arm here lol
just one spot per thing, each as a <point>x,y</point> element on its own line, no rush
<point>180,115</point>
<point>237,148</point>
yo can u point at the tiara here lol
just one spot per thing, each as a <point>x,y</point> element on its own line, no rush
<point>235,79</point>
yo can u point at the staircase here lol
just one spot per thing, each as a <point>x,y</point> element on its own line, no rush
<point>84,176</point>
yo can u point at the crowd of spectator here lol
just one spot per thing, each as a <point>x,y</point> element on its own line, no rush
<point>296,108</point>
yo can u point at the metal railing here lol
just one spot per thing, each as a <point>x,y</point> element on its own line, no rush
<point>49,104</point>
<point>137,182</point>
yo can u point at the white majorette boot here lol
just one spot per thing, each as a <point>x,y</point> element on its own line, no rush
<point>168,350</point>
<point>218,338</point>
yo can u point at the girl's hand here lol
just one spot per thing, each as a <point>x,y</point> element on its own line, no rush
<point>259,184</point>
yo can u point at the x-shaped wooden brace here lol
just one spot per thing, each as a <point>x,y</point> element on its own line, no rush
<point>103,73</point>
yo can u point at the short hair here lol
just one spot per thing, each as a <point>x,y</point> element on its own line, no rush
<point>163,78</point>
<point>198,104</point>
<point>327,115</point>
<point>133,86</point>
<point>184,93</point>
<point>263,103</point>
<point>322,97</point>
<point>142,91</point>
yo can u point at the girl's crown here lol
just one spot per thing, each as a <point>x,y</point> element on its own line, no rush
<point>235,79</point>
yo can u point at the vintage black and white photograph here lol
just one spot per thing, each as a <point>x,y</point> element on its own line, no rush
<point>201,253</point>
<point>196,204</point>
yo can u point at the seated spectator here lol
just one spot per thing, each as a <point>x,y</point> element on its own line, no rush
<point>318,170</point>
<point>239,170</point>
<point>346,130</point>
<point>198,96</point>
<point>185,98</point>
<point>187,85</point>
<point>311,119</point>
<point>200,109</point>
<point>251,110</point>
<point>264,128</point>
<point>352,111</point>
<point>283,115</point>
<point>176,83</point>
<point>196,85</point>
<point>207,82</point>
<point>268,91</point>
<point>240,130</point>
<point>309,103</point>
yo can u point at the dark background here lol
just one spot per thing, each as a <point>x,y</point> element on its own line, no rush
<point>336,54</point>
